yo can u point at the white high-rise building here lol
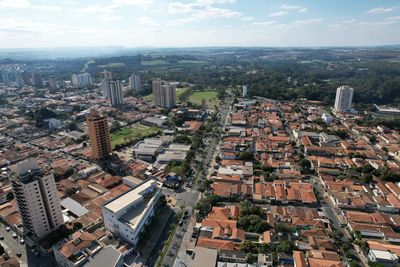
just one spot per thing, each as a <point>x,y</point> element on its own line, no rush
<point>37,199</point>
<point>52,82</point>
<point>105,77</point>
<point>244,90</point>
<point>344,98</point>
<point>164,94</point>
<point>134,82</point>
<point>116,95</point>
<point>105,87</point>
<point>81,80</point>
<point>105,74</point>
<point>128,214</point>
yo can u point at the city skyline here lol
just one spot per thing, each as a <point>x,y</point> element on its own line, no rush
<point>179,23</point>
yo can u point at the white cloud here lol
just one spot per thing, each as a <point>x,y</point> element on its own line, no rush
<point>265,23</point>
<point>290,7</point>
<point>105,13</point>
<point>146,21</point>
<point>307,22</point>
<point>381,10</point>
<point>247,19</point>
<point>143,3</point>
<point>279,13</point>
<point>298,9</point>
<point>210,2</point>
<point>201,11</point>
<point>26,4</point>
<point>302,10</point>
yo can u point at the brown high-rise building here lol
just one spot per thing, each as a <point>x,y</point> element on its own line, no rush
<point>99,134</point>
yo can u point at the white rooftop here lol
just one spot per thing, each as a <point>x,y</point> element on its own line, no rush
<point>383,254</point>
<point>130,197</point>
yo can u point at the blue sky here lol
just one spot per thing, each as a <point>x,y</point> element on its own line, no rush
<point>182,23</point>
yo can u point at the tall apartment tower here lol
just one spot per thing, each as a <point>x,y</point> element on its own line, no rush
<point>99,135</point>
<point>37,79</point>
<point>116,96</point>
<point>244,90</point>
<point>164,94</point>
<point>105,78</point>
<point>344,98</point>
<point>81,80</point>
<point>105,74</point>
<point>134,82</point>
<point>37,199</point>
<point>52,82</point>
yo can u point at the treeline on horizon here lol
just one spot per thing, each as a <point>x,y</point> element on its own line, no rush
<point>282,75</point>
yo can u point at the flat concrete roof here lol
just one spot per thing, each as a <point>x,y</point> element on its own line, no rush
<point>130,197</point>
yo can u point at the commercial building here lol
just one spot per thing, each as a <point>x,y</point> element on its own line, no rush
<point>383,257</point>
<point>99,134</point>
<point>81,80</point>
<point>157,120</point>
<point>116,95</point>
<point>164,94</point>
<point>148,149</point>
<point>344,98</point>
<point>37,199</point>
<point>134,82</point>
<point>128,214</point>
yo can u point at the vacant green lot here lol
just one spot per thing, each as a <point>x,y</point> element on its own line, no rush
<point>132,133</point>
<point>113,65</point>
<point>211,98</point>
<point>153,62</point>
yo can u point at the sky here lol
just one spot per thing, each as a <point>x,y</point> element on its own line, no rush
<point>197,23</point>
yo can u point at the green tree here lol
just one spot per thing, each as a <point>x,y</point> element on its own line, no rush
<point>284,247</point>
<point>10,196</point>
<point>249,247</point>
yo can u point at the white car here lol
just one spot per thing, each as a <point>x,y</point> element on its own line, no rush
<point>8,229</point>
<point>22,241</point>
<point>14,235</point>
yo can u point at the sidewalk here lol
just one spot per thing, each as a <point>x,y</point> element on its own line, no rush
<point>184,259</point>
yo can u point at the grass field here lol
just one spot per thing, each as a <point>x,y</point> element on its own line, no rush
<point>179,91</point>
<point>153,62</point>
<point>131,133</point>
<point>211,98</point>
<point>113,65</point>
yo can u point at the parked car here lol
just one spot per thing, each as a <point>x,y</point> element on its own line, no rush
<point>22,241</point>
<point>8,229</point>
<point>19,254</point>
<point>1,237</point>
<point>14,235</point>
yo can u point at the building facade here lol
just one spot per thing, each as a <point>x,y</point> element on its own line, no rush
<point>164,94</point>
<point>99,134</point>
<point>344,98</point>
<point>116,95</point>
<point>128,214</point>
<point>134,82</point>
<point>105,74</point>
<point>81,80</point>
<point>37,199</point>
<point>52,82</point>
<point>244,90</point>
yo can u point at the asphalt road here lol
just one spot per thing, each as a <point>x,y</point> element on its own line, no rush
<point>188,198</point>
<point>28,258</point>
